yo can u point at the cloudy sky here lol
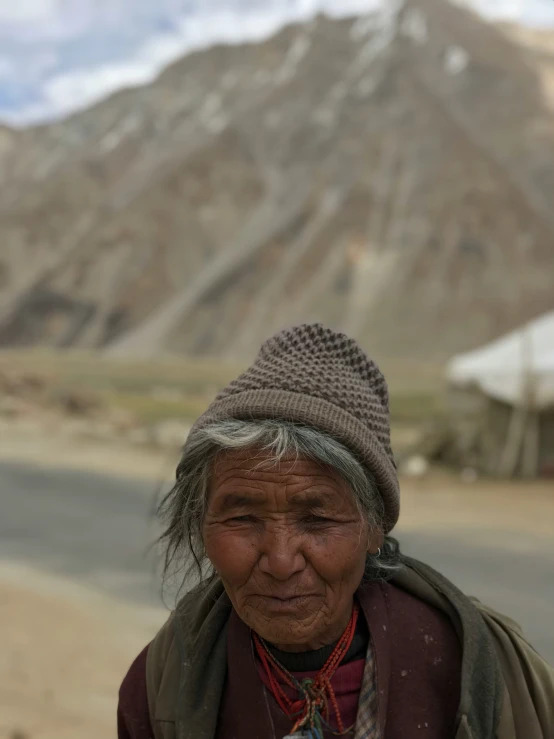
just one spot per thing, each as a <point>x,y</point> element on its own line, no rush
<point>60,55</point>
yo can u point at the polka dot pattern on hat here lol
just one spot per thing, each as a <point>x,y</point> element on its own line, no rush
<point>314,360</point>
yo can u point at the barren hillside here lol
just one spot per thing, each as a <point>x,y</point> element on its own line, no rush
<point>538,48</point>
<point>392,175</point>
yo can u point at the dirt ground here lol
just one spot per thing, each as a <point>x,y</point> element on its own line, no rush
<point>54,684</point>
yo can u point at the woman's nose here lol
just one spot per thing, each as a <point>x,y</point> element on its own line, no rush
<point>281,554</point>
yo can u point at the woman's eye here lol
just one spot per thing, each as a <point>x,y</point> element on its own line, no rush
<point>313,520</point>
<point>242,519</point>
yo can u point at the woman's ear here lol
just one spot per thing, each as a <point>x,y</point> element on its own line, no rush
<point>375,541</point>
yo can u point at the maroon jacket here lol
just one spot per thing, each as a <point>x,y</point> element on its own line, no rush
<point>418,668</point>
<point>133,716</point>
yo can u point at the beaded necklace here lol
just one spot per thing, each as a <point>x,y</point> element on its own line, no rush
<point>311,711</point>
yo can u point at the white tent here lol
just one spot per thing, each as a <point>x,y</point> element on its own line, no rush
<point>517,368</point>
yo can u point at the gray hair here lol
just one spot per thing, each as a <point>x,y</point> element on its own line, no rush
<point>184,507</point>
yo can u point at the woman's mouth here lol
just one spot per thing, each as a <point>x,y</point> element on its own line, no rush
<point>280,604</point>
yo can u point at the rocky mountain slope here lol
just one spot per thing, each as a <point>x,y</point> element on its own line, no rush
<point>392,175</point>
<point>538,49</point>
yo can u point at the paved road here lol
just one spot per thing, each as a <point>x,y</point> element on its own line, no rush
<point>98,529</point>
<point>94,528</point>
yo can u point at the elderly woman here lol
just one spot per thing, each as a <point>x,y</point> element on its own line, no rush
<point>307,621</point>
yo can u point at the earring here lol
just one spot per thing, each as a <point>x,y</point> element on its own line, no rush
<point>378,552</point>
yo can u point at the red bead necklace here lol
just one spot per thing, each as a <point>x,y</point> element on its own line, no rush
<point>310,711</point>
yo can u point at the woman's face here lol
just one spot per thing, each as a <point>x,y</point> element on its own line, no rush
<point>289,545</point>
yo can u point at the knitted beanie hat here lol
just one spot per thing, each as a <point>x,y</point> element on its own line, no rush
<point>311,375</point>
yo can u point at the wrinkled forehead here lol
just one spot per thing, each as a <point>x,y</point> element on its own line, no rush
<point>255,472</point>
<point>255,462</point>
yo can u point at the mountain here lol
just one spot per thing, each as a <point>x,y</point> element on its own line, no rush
<point>538,51</point>
<point>60,56</point>
<point>391,175</point>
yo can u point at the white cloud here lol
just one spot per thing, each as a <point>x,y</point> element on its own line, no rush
<point>28,11</point>
<point>6,68</point>
<point>52,21</point>
<point>71,90</point>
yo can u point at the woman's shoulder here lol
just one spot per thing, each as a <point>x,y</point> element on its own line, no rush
<point>133,715</point>
<point>138,692</point>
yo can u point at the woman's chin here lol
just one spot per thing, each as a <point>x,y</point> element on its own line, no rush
<point>293,622</point>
